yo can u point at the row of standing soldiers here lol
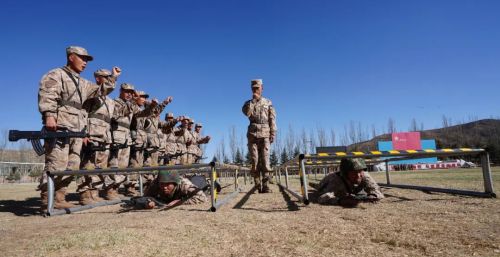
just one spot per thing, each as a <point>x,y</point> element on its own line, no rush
<point>124,132</point>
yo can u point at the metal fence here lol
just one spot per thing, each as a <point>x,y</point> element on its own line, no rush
<point>211,169</point>
<point>23,169</point>
<point>325,161</point>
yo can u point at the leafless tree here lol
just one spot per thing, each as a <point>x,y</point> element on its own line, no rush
<point>374,131</point>
<point>233,144</point>
<point>312,141</point>
<point>321,133</point>
<point>305,141</point>
<point>413,126</point>
<point>391,126</point>
<point>333,137</point>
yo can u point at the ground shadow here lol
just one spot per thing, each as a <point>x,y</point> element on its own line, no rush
<point>291,205</point>
<point>25,208</point>
<point>245,198</point>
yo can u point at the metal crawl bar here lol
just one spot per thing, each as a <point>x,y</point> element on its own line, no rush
<point>304,194</point>
<point>210,168</point>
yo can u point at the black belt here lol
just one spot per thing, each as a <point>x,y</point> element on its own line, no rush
<point>102,117</point>
<point>73,104</point>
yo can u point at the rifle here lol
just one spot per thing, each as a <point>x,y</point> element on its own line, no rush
<point>168,157</point>
<point>48,136</point>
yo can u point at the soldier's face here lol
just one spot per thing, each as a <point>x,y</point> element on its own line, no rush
<point>256,92</point>
<point>355,177</point>
<point>99,80</point>
<point>126,94</point>
<point>197,129</point>
<point>167,188</point>
<point>141,100</point>
<point>77,63</point>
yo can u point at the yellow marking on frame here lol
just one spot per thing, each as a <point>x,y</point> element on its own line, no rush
<point>447,150</point>
<point>340,154</point>
<point>376,152</point>
<point>465,149</point>
<point>358,153</point>
<point>322,154</point>
<point>393,152</point>
<point>429,150</point>
<point>319,162</point>
<point>411,151</point>
<point>309,163</point>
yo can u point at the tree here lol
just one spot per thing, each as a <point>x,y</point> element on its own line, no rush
<point>274,158</point>
<point>391,126</point>
<point>248,158</point>
<point>413,126</point>
<point>284,156</point>
<point>238,159</point>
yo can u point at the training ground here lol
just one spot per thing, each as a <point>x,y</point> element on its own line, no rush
<point>406,223</point>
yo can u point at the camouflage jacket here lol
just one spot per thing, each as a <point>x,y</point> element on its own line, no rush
<point>262,117</point>
<point>334,186</point>
<point>100,111</point>
<point>122,118</point>
<point>183,137</point>
<point>167,137</point>
<point>186,191</point>
<point>62,93</point>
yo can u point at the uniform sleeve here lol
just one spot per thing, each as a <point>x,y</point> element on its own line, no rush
<point>94,90</point>
<point>193,194</point>
<point>248,108</point>
<point>147,112</point>
<point>49,94</point>
<point>371,187</point>
<point>272,119</point>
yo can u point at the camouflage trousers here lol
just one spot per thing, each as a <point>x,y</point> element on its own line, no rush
<point>152,159</point>
<point>95,160</point>
<point>259,154</point>
<point>61,156</point>
<point>119,158</point>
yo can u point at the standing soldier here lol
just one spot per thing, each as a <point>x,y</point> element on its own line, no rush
<point>260,134</point>
<point>125,108</point>
<point>169,129</point>
<point>60,101</point>
<point>199,141</point>
<point>183,139</point>
<point>151,127</point>
<point>96,153</point>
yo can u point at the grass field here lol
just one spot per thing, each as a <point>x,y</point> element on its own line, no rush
<point>406,223</point>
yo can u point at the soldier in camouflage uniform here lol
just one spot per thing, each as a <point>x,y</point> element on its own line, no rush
<point>126,108</point>
<point>349,186</point>
<point>261,133</point>
<point>100,111</point>
<point>152,129</point>
<point>183,140</point>
<point>61,96</point>
<point>169,129</point>
<point>171,189</point>
<point>199,140</point>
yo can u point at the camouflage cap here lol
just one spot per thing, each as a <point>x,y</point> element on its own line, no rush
<point>127,86</point>
<point>143,94</point>
<point>169,115</point>
<point>79,51</point>
<point>186,118</point>
<point>354,164</point>
<point>198,125</point>
<point>256,82</point>
<point>102,73</point>
<point>191,121</point>
<point>165,176</point>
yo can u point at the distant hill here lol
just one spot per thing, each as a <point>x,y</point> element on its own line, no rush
<point>478,134</point>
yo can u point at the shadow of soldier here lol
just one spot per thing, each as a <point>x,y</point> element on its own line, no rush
<point>25,208</point>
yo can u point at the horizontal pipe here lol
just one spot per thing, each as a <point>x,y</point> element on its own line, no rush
<point>83,207</point>
<point>225,200</point>
<point>437,153</point>
<point>297,195</point>
<point>442,190</point>
<point>111,171</point>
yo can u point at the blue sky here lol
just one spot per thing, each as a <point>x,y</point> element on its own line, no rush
<point>324,63</point>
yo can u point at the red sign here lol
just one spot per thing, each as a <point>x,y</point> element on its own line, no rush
<point>406,141</point>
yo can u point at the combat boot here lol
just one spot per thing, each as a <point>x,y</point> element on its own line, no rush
<point>44,195</point>
<point>111,194</point>
<point>266,189</point>
<point>130,191</point>
<point>86,198</point>
<point>95,195</point>
<point>257,186</point>
<point>60,200</point>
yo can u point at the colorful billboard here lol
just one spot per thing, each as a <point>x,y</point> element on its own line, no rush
<point>406,141</point>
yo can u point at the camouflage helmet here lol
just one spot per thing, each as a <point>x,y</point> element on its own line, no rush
<point>165,176</point>
<point>354,164</point>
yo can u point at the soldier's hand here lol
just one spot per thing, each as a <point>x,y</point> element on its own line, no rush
<point>151,204</point>
<point>51,123</point>
<point>86,141</point>
<point>117,71</point>
<point>168,100</point>
<point>207,139</point>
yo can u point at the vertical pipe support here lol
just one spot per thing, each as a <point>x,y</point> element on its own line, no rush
<point>213,177</point>
<point>245,177</point>
<point>286,177</point>
<point>141,185</point>
<point>303,179</point>
<point>387,176</point>
<point>51,193</point>
<point>236,179</point>
<point>488,182</point>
